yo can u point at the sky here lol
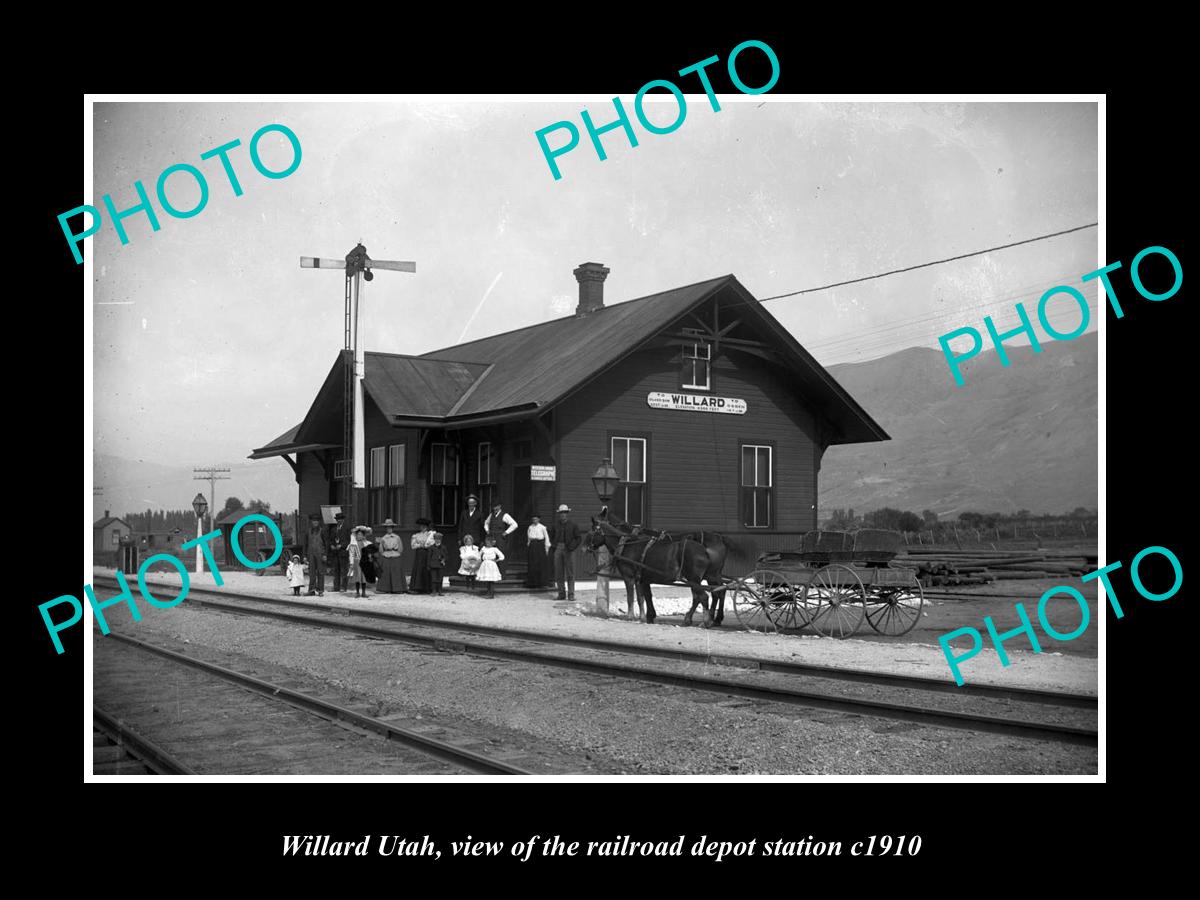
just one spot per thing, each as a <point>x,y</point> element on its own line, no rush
<point>210,340</point>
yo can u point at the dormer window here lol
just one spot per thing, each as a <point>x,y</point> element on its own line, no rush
<point>697,367</point>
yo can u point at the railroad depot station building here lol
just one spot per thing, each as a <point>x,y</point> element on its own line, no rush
<point>711,412</point>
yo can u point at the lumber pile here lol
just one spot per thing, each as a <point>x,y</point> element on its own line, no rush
<point>937,568</point>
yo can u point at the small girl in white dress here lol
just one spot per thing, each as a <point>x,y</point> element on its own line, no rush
<point>470,559</point>
<point>489,572</point>
<point>295,575</point>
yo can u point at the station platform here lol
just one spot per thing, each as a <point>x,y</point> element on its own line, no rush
<point>916,653</point>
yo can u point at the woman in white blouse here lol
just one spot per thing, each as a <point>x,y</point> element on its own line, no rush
<point>537,540</point>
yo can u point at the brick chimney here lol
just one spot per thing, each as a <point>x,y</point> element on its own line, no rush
<point>591,277</point>
<point>106,514</point>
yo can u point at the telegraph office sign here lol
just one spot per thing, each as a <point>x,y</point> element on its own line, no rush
<point>696,403</point>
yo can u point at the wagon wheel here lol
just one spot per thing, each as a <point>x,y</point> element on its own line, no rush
<point>790,608</point>
<point>784,601</point>
<point>895,610</point>
<point>760,599</point>
<point>835,600</point>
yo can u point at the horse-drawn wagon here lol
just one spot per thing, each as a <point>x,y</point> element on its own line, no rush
<point>831,584</point>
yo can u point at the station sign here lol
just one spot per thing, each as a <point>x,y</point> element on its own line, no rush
<point>696,403</point>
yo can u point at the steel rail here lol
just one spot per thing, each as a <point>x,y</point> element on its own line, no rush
<point>865,676</point>
<point>770,693</point>
<point>459,756</point>
<point>146,751</point>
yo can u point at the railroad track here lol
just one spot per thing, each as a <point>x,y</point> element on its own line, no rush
<point>119,750</point>
<point>838,673</point>
<point>462,757</point>
<point>532,647</point>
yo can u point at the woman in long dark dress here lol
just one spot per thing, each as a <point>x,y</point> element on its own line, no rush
<point>391,569</point>
<point>419,581</point>
<point>537,542</point>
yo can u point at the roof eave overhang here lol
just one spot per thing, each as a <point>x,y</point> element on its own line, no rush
<point>451,423</point>
<point>285,449</point>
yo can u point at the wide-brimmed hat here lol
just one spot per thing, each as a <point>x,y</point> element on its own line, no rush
<point>360,528</point>
<point>296,557</point>
<point>424,521</point>
<point>388,522</point>
<point>562,507</point>
<point>472,497</point>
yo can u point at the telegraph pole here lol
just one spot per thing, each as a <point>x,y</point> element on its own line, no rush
<point>211,474</point>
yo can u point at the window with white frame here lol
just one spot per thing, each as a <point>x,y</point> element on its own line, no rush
<point>697,367</point>
<point>629,459</point>
<point>758,485</point>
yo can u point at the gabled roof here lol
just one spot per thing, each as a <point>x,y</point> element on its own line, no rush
<point>108,520</point>
<point>523,372</point>
<point>417,386</point>
<point>540,363</point>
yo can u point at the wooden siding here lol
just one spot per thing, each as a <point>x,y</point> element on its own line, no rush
<point>102,541</point>
<point>694,458</point>
<point>314,488</point>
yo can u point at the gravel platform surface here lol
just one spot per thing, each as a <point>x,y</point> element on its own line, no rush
<point>610,723</point>
<point>1049,670</point>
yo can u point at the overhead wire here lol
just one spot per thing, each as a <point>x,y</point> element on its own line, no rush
<point>936,262</point>
<point>1014,294</point>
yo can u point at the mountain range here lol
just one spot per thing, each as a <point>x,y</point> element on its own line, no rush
<point>1017,437</point>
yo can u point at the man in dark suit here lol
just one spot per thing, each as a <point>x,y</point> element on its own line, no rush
<point>314,552</point>
<point>471,522</point>
<point>564,538</point>
<point>340,552</point>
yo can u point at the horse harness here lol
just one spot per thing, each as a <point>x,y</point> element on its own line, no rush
<point>637,536</point>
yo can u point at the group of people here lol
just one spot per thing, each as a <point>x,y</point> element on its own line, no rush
<point>356,559</point>
<point>489,537</point>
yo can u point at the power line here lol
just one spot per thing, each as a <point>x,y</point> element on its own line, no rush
<point>212,475</point>
<point>1026,291</point>
<point>936,262</point>
<point>1010,320</point>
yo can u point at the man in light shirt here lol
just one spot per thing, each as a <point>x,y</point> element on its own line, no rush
<point>500,525</point>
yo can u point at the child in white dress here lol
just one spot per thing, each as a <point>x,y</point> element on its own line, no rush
<point>295,575</point>
<point>469,560</point>
<point>489,572</point>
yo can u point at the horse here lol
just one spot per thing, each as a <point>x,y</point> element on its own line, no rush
<point>717,545</point>
<point>716,550</point>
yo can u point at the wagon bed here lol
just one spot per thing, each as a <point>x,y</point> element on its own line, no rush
<point>834,581</point>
